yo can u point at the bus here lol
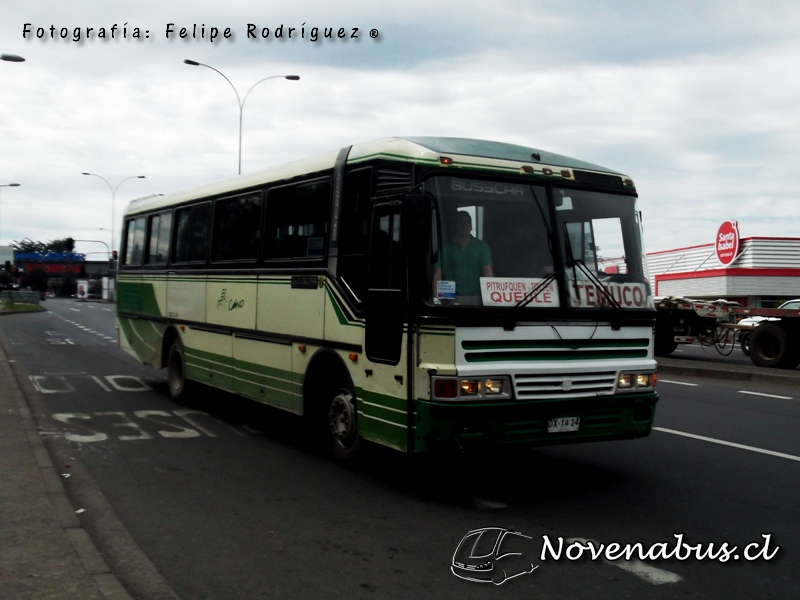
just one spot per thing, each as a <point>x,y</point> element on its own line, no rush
<point>420,293</point>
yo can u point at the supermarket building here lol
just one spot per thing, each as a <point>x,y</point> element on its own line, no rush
<point>758,272</point>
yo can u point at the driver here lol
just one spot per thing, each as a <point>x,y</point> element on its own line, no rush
<point>465,259</point>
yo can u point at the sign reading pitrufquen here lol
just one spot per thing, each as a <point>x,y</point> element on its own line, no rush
<point>727,242</point>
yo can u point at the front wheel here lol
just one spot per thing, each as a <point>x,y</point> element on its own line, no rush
<point>342,431</point>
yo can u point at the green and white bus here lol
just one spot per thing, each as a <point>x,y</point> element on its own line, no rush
<point>332,287</point>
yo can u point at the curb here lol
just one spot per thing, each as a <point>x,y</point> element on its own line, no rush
<point>101,544</point>
<point>89,556</point>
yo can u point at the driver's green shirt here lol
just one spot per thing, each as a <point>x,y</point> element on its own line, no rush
<point>464,265</point>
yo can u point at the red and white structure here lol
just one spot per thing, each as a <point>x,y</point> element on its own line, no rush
<point>754,271</point>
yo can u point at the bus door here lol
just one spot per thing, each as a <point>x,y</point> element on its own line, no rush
<point>386,308</point>
<point>383,400</point>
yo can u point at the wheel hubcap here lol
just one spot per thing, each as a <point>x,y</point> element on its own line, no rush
<point>342,417</point>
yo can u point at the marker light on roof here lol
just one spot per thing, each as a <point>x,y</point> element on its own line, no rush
<point>547,171</point>
<point>445,160</point>
<point>527,169</point>
<point>566,174</point>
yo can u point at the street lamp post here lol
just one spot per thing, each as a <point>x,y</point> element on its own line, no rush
<point>113,213</point>
<point>113,199</point>
<point>239,99</point>
<point>8,185</point>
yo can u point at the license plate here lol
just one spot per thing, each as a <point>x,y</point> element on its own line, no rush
<point>563,424</point>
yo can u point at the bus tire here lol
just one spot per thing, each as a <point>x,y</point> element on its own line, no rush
<point>769,346</point>
<point>342,426</point>
<point>176,371</point>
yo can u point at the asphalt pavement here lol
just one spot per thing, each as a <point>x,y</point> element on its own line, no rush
<point>44,550</point>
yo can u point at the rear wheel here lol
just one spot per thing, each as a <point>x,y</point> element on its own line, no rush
<point>176,371</point>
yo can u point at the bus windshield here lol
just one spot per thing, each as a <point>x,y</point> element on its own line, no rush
<point>496,246</point>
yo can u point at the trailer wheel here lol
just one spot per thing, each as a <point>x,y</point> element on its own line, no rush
<point>769,347</point>
<point>664,342</point>
<point>744,343</point>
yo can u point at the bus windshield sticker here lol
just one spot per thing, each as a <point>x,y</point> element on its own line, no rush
<point>508,291</point>
<point>446,289</point>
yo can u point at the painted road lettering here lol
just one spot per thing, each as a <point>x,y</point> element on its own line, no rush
<point>140,425</point>
<point>59,384</point>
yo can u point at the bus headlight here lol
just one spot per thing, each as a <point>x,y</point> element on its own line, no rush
<point>470,387</point>
<point>483,388</point>
<point>494,387</point>
<point>636,381</point>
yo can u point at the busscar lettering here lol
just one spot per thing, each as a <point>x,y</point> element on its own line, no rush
<point>487,187</point>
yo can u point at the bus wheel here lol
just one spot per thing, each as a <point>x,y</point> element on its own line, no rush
<point>342,432</point>
<point>769,346</point>
<point>176,370</point>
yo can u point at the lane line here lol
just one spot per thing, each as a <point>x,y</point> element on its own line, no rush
<point>643,571</point>
<point>766,395</point>
<point>731,444</point>
<point>677,382</point>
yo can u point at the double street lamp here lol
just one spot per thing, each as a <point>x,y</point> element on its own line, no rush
<point>113,199</point>
<point>239,99</point>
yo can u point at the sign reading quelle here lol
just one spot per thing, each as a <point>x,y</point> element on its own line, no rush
<point>727,242</point>
<point>508,291</point>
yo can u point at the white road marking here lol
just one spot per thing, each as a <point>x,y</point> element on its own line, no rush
<point>677,382</point>
<point>643,571</point>
<point>766,395</point>
<point>76,309</point>
<point>483,503</point>
<point>731,444</point>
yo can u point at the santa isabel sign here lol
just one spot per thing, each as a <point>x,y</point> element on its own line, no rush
<point>727,242</point>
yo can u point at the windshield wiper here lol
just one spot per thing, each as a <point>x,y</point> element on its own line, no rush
<point>573,262</point>
<point>527,299</point>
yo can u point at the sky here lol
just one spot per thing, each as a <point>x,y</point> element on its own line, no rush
<point>698,101</point>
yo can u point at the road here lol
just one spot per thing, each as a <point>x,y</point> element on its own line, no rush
<point>228,500</point>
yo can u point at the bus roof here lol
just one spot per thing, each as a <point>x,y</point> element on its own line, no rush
<point>424,150</point>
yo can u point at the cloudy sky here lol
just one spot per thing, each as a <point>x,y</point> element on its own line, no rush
<point>698,101</point>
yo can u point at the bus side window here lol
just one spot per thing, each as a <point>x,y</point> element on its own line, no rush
<point>134,243</point>
<point>298,220</point>
<point>354,230</point>
<point>158,247</point>
<point>237,227</point>
<point>191,235</point>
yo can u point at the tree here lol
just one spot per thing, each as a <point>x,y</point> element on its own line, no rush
<point>58,246</point>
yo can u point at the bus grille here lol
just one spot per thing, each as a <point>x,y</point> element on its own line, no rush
<point>564,385</point>
<point>554,350</point>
